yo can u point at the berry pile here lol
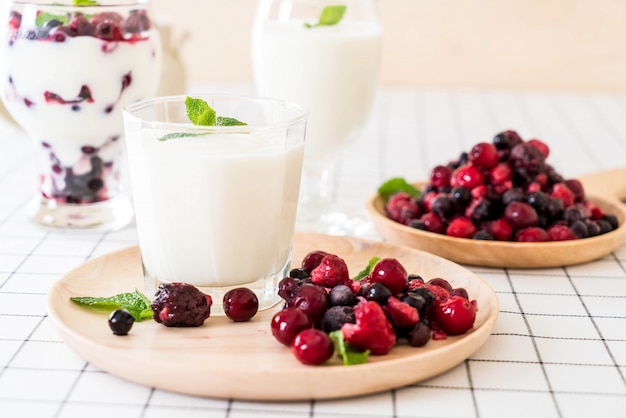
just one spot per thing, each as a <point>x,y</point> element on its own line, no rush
<point>503,191</point>
<point>372,313</point>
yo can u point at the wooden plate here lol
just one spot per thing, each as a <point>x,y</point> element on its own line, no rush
<point>605,189</point>
<point>243,360</point>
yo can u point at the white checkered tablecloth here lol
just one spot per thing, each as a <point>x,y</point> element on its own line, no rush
<point>558,348</point>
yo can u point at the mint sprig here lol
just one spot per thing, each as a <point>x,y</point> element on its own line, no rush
<point>330,15</point>
<point>44,17</point>
<point>201,114</point>
<point>85,3</point>
<point>348,353</point>
<point>135,302</point>
<point>367,269</point>
<point>395,185</point>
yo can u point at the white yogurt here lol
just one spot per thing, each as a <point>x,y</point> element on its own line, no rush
<point>216,210</point>
<point>330,71</point>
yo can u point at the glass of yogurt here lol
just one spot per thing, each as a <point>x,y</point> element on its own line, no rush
<point>67,68</point>
<point>325,56</point>
<point>215,206</point>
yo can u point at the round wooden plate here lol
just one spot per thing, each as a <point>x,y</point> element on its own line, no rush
<point>224,359</point>
<point>605,189</point>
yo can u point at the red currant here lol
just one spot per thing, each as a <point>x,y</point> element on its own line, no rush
<point>390,273</point>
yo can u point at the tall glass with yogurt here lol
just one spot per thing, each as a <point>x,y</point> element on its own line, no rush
<point>67,68</point>
<point>215,206</point>
<point>325,56</point>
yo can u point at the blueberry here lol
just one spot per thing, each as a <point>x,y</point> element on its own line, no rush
<point>417,277</point>
<point>341,295</point>
<point>298,273</point>
<point>121,321</point>
<point>378,293</point>
<point>419,335</point>
<point>417,301</point>
<point>537,200</point>
<point>424,293</point>
<point>512,195</point>
<point>481,234</point>
<point>336,316</point>
<point>460,196</point>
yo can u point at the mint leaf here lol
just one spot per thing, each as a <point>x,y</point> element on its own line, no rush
<point>136,303</point>
<point>395,185</point>
<point>367,269</point>
<point>224,121</point>
<point>85,3</point>
<point>349,354</point>
<point>331,15</point>
<point>175,135</point>
<point>199,112</point>
<point>44,17</point>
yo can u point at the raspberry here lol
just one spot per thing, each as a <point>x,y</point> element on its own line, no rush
<point>500,229</point>
<point>561,233</point>
<point>500,174</point>
<point>332,271</point>
<point>562,192</point>
<point>438,292</point>
<point>532,234</point>
<point>401,208</point>
<point>461,227</point>
<point>541,146</point>
<point>402,315</point>
<point>372,330</point>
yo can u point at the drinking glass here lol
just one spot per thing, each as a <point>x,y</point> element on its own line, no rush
<point>66,72</point>
<point>330,70</point>
<point>215,206</point>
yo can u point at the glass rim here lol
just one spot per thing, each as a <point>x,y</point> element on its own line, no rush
<point>300,113</point>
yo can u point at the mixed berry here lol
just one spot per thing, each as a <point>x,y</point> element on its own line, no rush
<point>372,313</point>
<point>504,190</point>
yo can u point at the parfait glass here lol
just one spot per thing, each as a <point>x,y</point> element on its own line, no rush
<point>66,72</point>
<point>331,69</point>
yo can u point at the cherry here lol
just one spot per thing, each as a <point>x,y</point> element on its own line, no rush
<point>287,323</point>
<point>461,227</point>
<point>438,281</point>
<point>468,176</point>
<point>440,176</point>
<point>455,315</point>
<point>520,215</point>
<point>484,155</point>
<point>312,347</point>
<point>312,260</point>
<point>240,304</point>
<point>390,273</point>
<point>312,300</point>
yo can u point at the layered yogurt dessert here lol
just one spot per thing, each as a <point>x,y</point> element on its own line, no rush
<point>329,70</point>
<point>65,74</point>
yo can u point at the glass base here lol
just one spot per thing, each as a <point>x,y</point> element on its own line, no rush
<point>109,215</point>
<point>265,289</point>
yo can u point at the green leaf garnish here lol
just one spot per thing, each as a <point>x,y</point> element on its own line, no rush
<point>349,354</point>
<point>224,121</point>
<point>85,3</point>
<point>395,185</point>
<point>367,269</point>
<point>331,15</point>
<point>44,17</point>
<point>199,112</point>
<point>136,303</point>
<point>175,135</point>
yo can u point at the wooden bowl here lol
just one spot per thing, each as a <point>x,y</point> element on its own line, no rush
<point>605,189</point>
